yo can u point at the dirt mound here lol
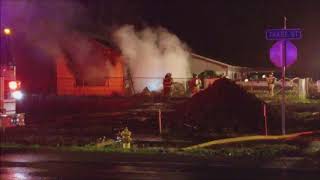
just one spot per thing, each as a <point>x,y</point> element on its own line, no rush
<point>223,105</point>
<point>178,89</point>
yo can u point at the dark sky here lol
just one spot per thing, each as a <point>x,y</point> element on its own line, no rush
<point>228,30</point>
<point>232,31</point>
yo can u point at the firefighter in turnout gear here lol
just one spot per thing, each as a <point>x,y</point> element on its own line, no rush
<point>194,85</point>
<point>126,138</point>
<point>167,85</point>
<point>271,83</point>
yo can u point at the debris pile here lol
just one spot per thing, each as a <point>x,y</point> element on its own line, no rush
<point>223,105</point>
<point>178,89</point>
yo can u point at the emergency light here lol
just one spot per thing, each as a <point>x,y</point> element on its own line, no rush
<point>17,95</point>
<point>15,92</point>
<point>13,85</point>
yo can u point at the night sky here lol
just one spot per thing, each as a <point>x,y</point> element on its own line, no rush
<point>232,31</point>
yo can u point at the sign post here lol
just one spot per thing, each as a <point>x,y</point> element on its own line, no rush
<point>283,99</point>
<point>282,54</point>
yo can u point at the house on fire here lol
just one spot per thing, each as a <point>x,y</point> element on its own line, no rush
<point>89,66</point>
<point>91,70</point>
<point>104,72</point>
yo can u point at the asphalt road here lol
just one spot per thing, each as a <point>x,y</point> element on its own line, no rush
<point>54,165</point>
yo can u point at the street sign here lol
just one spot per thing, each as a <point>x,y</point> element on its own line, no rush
<point>277,53</point>
<point>280,34</point>
<point>282,54</point>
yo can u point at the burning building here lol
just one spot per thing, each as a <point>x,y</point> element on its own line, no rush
<point>70,63</point>
<point>78,65</point>
<point>88,68</point>
<point>81,65</point>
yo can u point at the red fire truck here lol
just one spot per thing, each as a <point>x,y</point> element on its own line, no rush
<point>9,87</point>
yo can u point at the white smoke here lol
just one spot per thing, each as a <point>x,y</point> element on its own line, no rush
<point>150,54</point>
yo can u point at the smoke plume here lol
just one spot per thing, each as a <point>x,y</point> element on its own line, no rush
<point>150,54</point>
<point>44,30</point>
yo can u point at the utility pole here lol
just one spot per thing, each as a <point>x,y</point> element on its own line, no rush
<point>283,104</point>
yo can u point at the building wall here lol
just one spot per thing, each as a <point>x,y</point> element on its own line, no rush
<point>66,82</point>
<point>199,65</point>
<point>233,74</point>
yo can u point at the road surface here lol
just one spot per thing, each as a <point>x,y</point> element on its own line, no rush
<point>55,165</point>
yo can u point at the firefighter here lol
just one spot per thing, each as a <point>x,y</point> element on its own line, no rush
<point>167,85</point>
<point>194,84</point>
<point>271,83</point>
<point>126,138</point>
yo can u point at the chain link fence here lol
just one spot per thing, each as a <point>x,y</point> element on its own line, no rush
<point>125,86</point>
<point>299,87</point>
<point>129,86</point>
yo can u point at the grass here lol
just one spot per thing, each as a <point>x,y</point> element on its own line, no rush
<point>301,113</point>
<point>246,139</point>
<point>304,115</point>
<point>116,148</point>
<point>243,151</point>
<point>291,98</point>
<point>11,145</point>
<point>258,151</point>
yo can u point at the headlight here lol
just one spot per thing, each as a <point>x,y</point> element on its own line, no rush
<point>17,95</point>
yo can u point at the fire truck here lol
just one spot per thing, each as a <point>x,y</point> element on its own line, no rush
<point>10,91</point>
